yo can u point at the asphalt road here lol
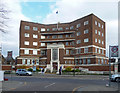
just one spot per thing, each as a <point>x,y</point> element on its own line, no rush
<point>55,83</point>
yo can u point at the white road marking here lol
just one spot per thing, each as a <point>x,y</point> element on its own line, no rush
<point>49,85</point>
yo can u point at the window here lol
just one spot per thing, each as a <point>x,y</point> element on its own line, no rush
<point>78,51</point>
<point>78,33</point>
<point>42,29</point>
<point>85,50</point>
<point>28,61</point>
<point>95,31</point>
<point>42,37</point>
<point>54,36</point>
<point>42,44</point>
<point>67,44</point>
<point>26,51</point>
<point>60,28</point>
<point>86,40</point>
<point>98,61</point>
<point>105,61</point>
<point>78,25</point>
<point>26,35</point>
<point>55,54</point>
<point>26,43</point>
<point>71,27</point>
<point>96,23</point>
<point>88,61</point>
<point>86,31</point>
<point>99,51</point>
<point>37,62</point>
<point>67,52</point>
<point>35,36</point>
<point>43,52</point>
<point>69,62</point>
<point>102,42</point>
<point>98,32</point>
<point>34,43</point>
<point>60,36</point>
<point>99,25</point>
<point>54,29</point>
<point>23,61</point>
<point>35,52</point>
<point>72,43</point>
<point>27,27</point>
<point>102,51</point>
<point>86,23</point>
<point>102,26</point>
<point>99,41</point>
<point>80,61</point>
<point>35,28</point>
<point>95,50</point>
<point>65,62</point>
<point>84,61</point>
<point>71,35</point>
<point>48,37</point>
<point>102,61</point>
<point>66,28</point>
<point>102,34</point>
<point>78,41</point>
<point>48,29</point>
<point>71,52</point>
<point>66,36</point>
<point>95,39</point>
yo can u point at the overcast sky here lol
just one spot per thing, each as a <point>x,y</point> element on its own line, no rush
<point>44,11</point>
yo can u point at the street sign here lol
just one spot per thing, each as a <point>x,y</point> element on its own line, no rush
<point>113,51</point>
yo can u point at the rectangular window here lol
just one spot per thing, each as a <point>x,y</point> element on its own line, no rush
<point>86,40</point>
<point>43,52</point>
<point>42,37</point>
<point>88,61</point>
<point>34,43</point>
<point>99,41</point>
<point>65,62</point>
<point>26,42</point>
<point>78,25</point>
<point>102,42</point>
<point>26,35</point>
<point>78,51</point>
<point>42,44</point>
<point>35,28</point>
<point>102,51</point>
<point>37,62</point>
<point>67,43</point>
<point>27,27</point>
<point>99,33</point>
<point>71,52</point>
<point>48,37</point>
<point>80,61</point>
<point>86,23</point>
<point>48,29</point>
<point>28,61</point>
<point>102,61</point>
<point>66,36</point>
<point>60,36</point>
<point>78,34</point>
<point>78,41</point>
<point>60,29</point>
<point>86,31</point>
<point>99,25</point>
<point>84,61</point>
<point>67,28</point>
<point>95,39</point>
<point>99,51</point>
<point>102,26</point>
<point>102,34</point>
<point>72,43</point>
<point>26,51</point>
<point>95,50</point>
<point>42,29</point>
<point>98,61</point>
<point>71,27</point>
<point>54,29</point>
<point>35,36</point>
<point>67,52</point>
<point>54,36</point>
<point>23,61</point>
<point>95,31</point>
<point>35,52</point>
<point>55,54</point>
<point>85,50</point>
<point>71,35</point>
<point>96,23</point>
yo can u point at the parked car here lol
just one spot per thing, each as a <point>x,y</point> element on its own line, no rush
<point>23,72</point>
<point>115,77</point>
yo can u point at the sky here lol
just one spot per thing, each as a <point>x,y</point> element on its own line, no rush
<point>44,11</point>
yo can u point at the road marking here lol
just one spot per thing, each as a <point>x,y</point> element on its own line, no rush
<point>76,89</point>
<point>49,85</point>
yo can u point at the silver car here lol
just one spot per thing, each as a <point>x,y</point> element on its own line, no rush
<point>115,77</point>
<point>23,72</point>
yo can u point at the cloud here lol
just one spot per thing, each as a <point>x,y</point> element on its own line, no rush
<point>10,40</point>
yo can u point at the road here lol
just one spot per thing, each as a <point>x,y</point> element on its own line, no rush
<point>54,83</point>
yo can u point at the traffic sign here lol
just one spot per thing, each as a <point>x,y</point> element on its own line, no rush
<point>113,51</point>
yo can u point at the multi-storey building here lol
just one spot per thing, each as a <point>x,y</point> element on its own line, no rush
<point>81,42</point>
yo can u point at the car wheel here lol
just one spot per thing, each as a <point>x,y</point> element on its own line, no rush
<point>117,79</point>
<point>17,74</point>
<point>27,74</point>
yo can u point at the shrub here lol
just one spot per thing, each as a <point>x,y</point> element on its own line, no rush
<point>22,67</point>
<point>68,69</point>
<point>38,70</point>
<point>77,70</point>
<point>30,69</point>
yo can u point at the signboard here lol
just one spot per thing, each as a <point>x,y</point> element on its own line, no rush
<point>113,51</point>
